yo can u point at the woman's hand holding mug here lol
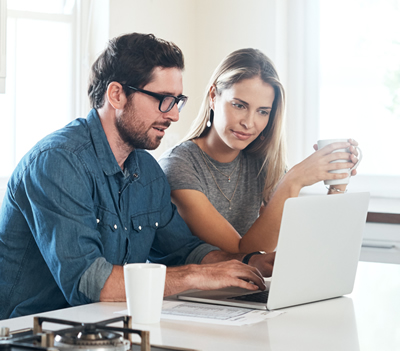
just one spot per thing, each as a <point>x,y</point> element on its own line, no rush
<point>355,157</point>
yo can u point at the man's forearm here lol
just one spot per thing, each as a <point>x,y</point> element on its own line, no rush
<point>114,287</point>
<point>218,269</point>
<point>177,279</point>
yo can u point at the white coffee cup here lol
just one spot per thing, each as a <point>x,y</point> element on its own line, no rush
<point>325,142</point>
<point>144,288</point>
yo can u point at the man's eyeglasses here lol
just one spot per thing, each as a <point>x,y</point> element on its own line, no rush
<point>167,102</point>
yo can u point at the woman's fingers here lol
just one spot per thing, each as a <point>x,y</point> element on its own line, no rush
<point>336,156</point>
<point>332,157</point>
<point>353,172</point>
<point>353,150</point>
<point>335,146</point>
<point>353,142</point>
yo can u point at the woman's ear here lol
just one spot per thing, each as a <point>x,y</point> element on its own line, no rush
<point>212,93</point>
<point>116,95</point>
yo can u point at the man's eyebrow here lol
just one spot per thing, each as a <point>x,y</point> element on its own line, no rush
<point>168,93</point>
<point>247,104</point>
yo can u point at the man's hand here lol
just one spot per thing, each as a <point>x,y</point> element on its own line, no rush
<point>213,276</point>
<point>264,263</point>
<point>218,270</point>
<point>229,273</point>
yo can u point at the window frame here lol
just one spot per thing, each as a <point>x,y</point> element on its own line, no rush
<point>75,18</point>
<point>3,37</point>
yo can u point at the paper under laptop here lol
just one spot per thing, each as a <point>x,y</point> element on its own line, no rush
<point>316,257</point>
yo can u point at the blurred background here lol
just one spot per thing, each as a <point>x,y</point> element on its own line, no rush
<point>339,62</point>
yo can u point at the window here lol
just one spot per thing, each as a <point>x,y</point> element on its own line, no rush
<point>360,78</point>
<point>39,95</point>
<point>344,81</point>
<point>3,20</point>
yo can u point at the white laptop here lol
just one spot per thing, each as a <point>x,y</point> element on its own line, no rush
<point>316,257</point>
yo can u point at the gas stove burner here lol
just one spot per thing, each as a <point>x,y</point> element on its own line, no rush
<point>93,340</point>
<point>96,337</point>
<point>100,336</point>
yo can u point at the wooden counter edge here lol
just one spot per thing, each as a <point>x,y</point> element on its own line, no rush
<point>381,217</point>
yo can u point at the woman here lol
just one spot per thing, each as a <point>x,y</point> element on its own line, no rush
<point>229,179</point>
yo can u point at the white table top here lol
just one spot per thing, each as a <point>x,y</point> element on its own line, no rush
<point>368,319</point>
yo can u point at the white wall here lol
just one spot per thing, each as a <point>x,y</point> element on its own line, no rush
<point>206,31</point>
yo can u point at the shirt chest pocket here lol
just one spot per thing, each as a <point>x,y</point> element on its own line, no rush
<point>107,222</point>
<point>145,224</point>
<point>112,236</point>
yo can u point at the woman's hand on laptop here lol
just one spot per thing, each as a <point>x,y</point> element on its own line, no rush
<point>264,263</point>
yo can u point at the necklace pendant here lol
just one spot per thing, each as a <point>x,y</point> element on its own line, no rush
<point>229,179</point>
<point>230,207</point>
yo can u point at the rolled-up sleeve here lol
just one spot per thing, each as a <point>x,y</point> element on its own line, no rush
<point>94,278</point>
<point>197,254</point>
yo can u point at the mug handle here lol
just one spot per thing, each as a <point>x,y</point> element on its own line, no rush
<point>359,158</point>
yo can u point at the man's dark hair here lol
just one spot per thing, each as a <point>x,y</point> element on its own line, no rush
<point>130,59</point>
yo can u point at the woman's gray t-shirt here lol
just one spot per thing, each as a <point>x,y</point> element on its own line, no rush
<point>187,167</point>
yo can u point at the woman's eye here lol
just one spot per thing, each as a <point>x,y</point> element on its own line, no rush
<point>264,112</point>
<point>239,106</point>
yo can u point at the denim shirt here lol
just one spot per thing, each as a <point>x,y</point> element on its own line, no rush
<point>70,213</point>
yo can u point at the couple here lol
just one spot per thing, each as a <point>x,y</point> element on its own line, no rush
<point>88,199</point>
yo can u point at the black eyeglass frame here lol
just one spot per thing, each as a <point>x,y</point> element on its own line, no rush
<point>161,97</point>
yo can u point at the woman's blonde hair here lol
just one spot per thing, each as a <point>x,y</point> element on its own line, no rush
<point>237,66</point>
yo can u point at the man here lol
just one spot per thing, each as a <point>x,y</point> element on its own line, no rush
<point>87,199</point>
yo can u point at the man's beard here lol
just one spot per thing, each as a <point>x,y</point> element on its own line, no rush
<point>133,132</point>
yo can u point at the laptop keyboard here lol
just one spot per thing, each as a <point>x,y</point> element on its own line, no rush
<point>256,297</point>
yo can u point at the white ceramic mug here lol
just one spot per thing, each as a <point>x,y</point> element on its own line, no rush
<point>325,142</point>
<point>144,288</point>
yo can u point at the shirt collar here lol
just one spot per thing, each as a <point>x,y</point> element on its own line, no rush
<point>103,150</point>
